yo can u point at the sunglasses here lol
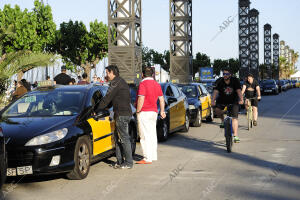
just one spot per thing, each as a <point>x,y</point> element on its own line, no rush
<point>226,74</point>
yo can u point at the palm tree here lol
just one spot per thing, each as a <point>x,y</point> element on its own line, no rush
<point>284,67</point>
<point>20,61</point>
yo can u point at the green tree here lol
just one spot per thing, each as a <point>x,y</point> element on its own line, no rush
<point>219,64</point>
<point>151,57</point>
<point>234,65</point>
<point>80,47</point>
<point>32,31</point>
<point>201,60</point>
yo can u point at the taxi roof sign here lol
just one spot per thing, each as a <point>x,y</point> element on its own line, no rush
<point>47,83</point>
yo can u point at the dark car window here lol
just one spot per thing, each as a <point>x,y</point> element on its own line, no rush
<point>48,103</point>
<point>97,96</point>
<point>269,82</point>
<point>169,92</point>
<point>175,91</point>
<point>190,91</point>
<point>200,91</point>
<point>204,90</point>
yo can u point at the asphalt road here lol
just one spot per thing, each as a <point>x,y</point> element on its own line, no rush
<point>195,165</point>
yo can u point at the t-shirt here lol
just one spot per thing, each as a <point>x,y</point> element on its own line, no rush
<point>151,90</point>
<point>227,92</point>
<point>83,83</point>
<point>62,79</point>
<point>251,94</point>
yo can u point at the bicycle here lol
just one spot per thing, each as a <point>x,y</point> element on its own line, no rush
<point>250,113</point>
<point>228,129</point>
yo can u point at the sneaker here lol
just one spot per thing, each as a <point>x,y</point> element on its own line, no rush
<point>255,123</point>
<point>236,139</point>
<point>143,162</point>
<point>126,166</point>
<point>117,166</point>
<point>222,125</point>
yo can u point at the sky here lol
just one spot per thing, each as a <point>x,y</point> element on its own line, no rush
<point>208,16</point>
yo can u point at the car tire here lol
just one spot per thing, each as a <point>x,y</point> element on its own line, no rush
<point>163,130</point>
<point>133,138</point>
<point>198,120</point>
<point>186,123</point>
<point>82,159</point>
<point>210,118</point>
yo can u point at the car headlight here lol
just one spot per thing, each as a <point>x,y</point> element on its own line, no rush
<point>191,107</point>
<point>48,138</point>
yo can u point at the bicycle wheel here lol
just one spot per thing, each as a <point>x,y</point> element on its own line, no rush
<point>249,118</point>
<point>228,134</point>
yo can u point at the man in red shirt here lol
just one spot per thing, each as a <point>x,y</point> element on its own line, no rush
<point>148,93</point>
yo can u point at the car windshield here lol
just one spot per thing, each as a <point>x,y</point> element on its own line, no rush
<point>46,104</point>
<point>189,90</point>
<point>268,82</point>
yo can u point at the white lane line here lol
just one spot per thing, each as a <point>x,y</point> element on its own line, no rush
<point>288,111</point>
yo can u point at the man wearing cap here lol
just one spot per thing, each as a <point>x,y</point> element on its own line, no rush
<point>63,78</point>
<point>251,90</point>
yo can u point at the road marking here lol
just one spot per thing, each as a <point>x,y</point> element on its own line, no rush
<point>288,112</point>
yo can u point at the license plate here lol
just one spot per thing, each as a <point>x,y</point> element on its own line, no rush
<point>268,90</point>
<point>11,172</point>
<point>19,171</point>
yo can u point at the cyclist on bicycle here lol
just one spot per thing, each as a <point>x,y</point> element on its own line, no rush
<point>227,91</point>
<point>251,90</point>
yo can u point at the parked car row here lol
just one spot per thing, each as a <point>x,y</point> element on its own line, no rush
<point>54,129</point>
<point>272,86</point>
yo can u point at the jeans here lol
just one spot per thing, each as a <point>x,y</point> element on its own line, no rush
<point>122,140</point>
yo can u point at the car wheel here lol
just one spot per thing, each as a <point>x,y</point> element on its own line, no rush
<point>82,159</point>
<point>186,123</point>
<point>133,138</point>
<point>198,120</point>
<point>210,118</point>
<point>163,131</point>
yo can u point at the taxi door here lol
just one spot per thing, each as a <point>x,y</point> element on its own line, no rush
<point>180,108</point>
<point>102,135</point>
<point>204,102</point>
<point>102,129</point>
<point>172,107</point>
<point>207,100</point>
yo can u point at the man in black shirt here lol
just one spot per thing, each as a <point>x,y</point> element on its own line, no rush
<point>251,90</point>
<point>63,78</point>
<point>118,96</point>
<point>228,92</point>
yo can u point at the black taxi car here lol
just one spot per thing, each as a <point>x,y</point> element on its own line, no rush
<point>177,111</point>
<point>199,101</point>
<point>2,160</point>
<point>54,130</point>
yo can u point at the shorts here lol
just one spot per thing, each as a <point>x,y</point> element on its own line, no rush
<point>233,111</point>
<point>254,102</point>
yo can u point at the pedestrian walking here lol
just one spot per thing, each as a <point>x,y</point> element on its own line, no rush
<point>149,92</point>
<point>63,78</point>
<point>118,96</point>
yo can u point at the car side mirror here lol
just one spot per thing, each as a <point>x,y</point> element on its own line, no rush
<point>172,100</point>
<point>102,114</point>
